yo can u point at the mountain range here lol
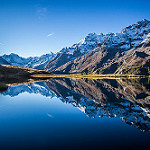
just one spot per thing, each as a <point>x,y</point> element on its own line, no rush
<point>30,62</point>
<point>97,51</point>
<point>112,59</point>
<point>127,52</point>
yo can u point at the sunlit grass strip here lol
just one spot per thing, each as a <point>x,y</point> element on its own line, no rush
<point>89,76</point>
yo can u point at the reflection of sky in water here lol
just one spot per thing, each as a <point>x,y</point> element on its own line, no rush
<point>33,121</point>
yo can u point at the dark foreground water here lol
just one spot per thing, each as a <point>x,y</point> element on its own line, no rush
<point>75,114</point>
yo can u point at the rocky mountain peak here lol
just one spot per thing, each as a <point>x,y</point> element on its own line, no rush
<point>138,31</point>
<point>91,37</point>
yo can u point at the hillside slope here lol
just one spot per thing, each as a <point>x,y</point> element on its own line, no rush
<point>14,71</point>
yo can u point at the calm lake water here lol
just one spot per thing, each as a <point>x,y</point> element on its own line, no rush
<point>75,114</point>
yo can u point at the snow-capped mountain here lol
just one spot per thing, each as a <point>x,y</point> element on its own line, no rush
<point>16,60</point>
<point>128,38</point>
<point>85,45</point>
<point>106,59</point>
<point>30,62</point>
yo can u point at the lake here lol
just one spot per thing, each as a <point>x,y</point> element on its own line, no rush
<point>74,114</point>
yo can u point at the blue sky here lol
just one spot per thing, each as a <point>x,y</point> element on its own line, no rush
<point>36,27</point>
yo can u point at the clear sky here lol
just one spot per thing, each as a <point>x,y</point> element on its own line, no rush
<point>36,27</point>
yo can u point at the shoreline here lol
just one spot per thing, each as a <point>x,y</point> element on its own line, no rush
<point>97,76</point>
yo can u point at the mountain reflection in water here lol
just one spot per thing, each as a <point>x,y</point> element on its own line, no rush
<point>127,99</point>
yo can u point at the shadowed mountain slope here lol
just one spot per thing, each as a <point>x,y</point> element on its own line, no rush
<point>3,61</point>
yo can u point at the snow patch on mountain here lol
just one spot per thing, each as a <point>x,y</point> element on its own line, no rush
<point>146,39</point>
